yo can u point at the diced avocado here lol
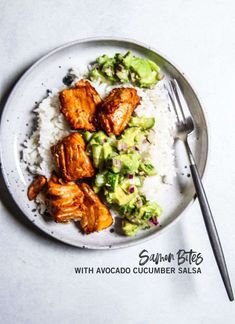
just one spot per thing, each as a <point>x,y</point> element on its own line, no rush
<point>140,215</point>
<point>128,138</point>
<point>95,74</point>
<point>154,66</point>
<point>128,188</point>
<point>127,59</point>
<point>126,163</point>
<point>150,210</point>
<point>99,138</point>
<point>147,168</point>
<point>128,209</point>
<point>107,151</point>
<point>140,66</point>
<point>140,138</point>
<point>111,180</point>
<point>130,133</point>
<point>119,197</point>
<point>104,69</point>
<point>149,80</point>
<point>144,74</point>
<point>109,70</point>
<point>93,141</point>
<point>129,228</point>
<point>130,184</point>
<point>102,59</point>
<point>122,73</point>
<point>98,148</point>
<point>96,189</point>
<point>97,156</point>
<point>126,182</point>
<point>142,122</point>
<point>112,141</point>
<point>87,136</point>
<point>139,211</point>
<point>118,57</point>
<point>143,71</point>
<point>108,67</point>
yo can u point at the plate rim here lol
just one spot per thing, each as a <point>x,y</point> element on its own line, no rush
<point>100,39</point>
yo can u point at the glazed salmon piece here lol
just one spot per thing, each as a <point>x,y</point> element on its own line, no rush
<point>116,109</point>
<point>64,200</point>
<point>71,158</point>
<point>78,105</point>
<point>68,201</point>
<point>36,186</point>
<point>96,215</point>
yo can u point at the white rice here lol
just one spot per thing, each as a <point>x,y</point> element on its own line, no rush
<point>154,103</point>
<point>52,126</point>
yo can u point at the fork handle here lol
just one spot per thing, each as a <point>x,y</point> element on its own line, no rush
<point>210,226</point>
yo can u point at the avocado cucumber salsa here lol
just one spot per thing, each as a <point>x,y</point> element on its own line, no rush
<point>125,68</point>
<point>122,163</point>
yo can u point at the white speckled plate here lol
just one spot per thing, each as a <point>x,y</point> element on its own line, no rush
<point>48,73</point>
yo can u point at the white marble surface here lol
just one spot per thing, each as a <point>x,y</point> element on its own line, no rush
<point>37,282</point>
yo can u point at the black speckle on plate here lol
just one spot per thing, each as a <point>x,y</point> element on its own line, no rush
<point>68,80</point>
<point>188,175</point>
<point>111,230</point>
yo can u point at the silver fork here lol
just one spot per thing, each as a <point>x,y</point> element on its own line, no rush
<point>185,126</point>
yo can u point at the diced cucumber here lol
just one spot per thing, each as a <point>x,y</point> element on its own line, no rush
<point>142,122</point>
<point>87,136</point>
<point>97,156</point>
<point>147,168</point>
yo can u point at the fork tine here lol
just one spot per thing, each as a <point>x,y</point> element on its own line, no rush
<point>177,90</point>
<point>170,94</point>
<point>175,101</point>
